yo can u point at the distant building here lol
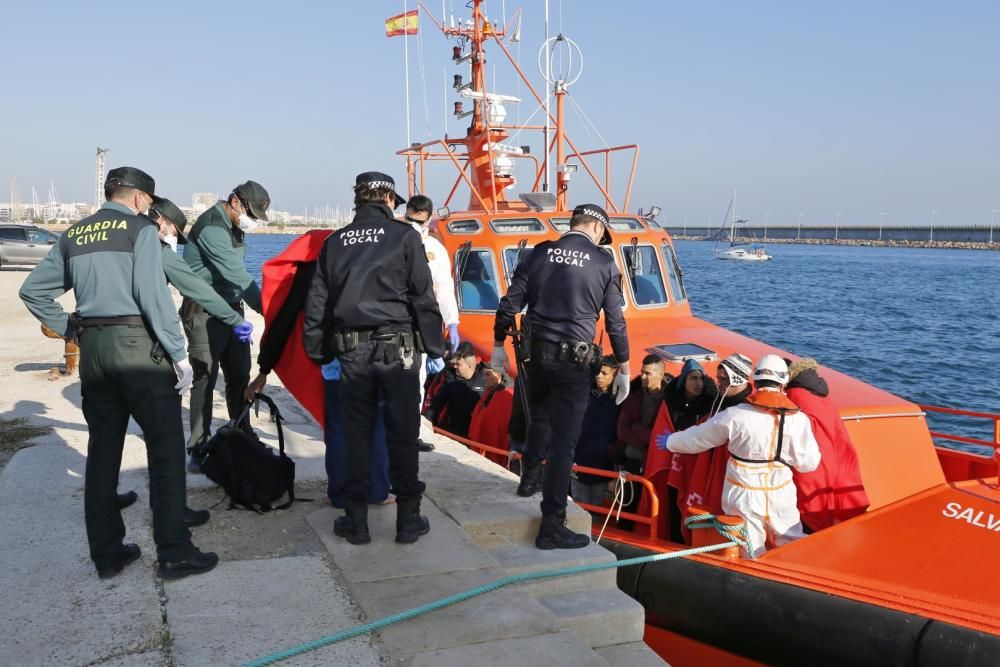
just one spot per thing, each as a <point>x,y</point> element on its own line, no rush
<point>202,200</point>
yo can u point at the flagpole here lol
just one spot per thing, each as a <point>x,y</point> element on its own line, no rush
<point>406,70</point>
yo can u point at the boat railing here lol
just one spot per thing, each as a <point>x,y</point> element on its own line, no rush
<point>607,170</point>
<point>954,437</point>
<point>651,520</point>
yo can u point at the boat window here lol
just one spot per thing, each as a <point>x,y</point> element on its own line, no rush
<point>477,285</point>
<point>561,224</point>
<point>510,261</point>
<point>643,273</point>
<point>464,226</point>
<point>518,226</point>
<point>674,273</point>
<point>625,224</point>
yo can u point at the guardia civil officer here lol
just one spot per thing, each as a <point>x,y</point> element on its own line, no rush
<point>215,250</point>
<point>133,364</point>
<point>562,322</point>
<point>371,294</point>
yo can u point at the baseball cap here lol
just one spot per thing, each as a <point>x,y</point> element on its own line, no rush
<point>169,210</point>
<point>255,197</point>
<point>130,177</point>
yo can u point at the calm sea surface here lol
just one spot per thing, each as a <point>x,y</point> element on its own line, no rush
<point>922,324</point>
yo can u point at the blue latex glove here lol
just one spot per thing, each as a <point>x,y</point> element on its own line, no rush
<point>453,338</point>
<point>331,371</point>
<point>434,365</point>
<point>243,331</point>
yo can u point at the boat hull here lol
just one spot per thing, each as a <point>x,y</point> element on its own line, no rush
<point>781,624</point>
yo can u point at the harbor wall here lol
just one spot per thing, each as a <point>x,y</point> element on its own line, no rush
<point>973,236</point>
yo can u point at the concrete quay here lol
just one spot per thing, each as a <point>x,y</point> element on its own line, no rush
<point>284,578</point>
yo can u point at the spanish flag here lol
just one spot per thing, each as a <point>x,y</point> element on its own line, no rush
<point>403,24</point>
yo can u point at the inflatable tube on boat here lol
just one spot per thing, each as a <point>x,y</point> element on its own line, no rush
<point>780,624</point>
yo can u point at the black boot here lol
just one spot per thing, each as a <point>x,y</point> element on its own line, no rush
<point>410,525</point>
<point>531,480</point>
<point>554,534</point>
<point>353,526</point>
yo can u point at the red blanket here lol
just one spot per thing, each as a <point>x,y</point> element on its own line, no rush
<point>490,420</point>
<point>298,373</point>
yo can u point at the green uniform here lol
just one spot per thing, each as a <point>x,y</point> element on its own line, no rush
<point>215,251</point>
<point>187,282</point>
<point>112,262</point>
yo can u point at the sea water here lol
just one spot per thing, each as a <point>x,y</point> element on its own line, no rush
<point>920,323</point>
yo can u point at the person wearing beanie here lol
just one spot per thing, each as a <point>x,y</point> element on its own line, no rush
<point>834,492</point>
<point>766,437</point>
<point>733,378</point>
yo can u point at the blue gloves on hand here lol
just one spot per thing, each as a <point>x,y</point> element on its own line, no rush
<point>243,331</point>
<point>453,338</point>
<point>331,371</point>
<point>434,365</point>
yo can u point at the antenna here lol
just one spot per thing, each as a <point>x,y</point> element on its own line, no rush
<point>99,191</point>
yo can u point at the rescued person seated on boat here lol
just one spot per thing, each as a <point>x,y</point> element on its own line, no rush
<point>491,416</point>
<point>598,434</point>
<point>452,406</point>
<point>767,437</point>
<point>635,423</point>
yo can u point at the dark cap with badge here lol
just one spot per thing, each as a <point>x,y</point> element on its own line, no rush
<point>599,214</point>
<point>376,179</point>
<point>130,177</point>
<point>169,210</point>
<point>254,198</point>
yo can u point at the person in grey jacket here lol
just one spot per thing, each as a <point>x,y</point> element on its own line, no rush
<point>129,339</point>
<point>215,251</point>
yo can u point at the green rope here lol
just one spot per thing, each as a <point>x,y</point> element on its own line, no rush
<point>741,538</point>
<point>373,626</point>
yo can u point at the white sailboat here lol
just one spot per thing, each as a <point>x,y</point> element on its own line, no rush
<point>753,252</point>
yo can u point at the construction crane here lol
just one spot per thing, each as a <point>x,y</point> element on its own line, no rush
<point>99,194</point>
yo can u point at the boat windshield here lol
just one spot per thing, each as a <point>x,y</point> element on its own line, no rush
<point>643,271</point>
<point>674,273</point>
<point>477,285</point>
<point>510,259</point>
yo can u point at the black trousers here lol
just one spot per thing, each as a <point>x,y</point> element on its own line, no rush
<point>373,369</point>
<point>559,393</point>
<point>211,344</point>
<point>119,380</point>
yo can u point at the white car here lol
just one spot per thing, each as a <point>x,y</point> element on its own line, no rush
<point>24,244</point>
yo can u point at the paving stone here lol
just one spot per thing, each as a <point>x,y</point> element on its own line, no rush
<point>524,559</point>
<point>445,549</point>
<point>635,654</point>
<point>244,610</point>
<point>551,650</point>
<point>602,617</point>
<point>502,614</point>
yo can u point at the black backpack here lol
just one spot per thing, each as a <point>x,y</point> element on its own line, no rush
<point>252,474</point>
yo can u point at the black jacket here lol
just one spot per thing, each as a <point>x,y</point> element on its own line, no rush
<point>685,413</point>
<point>811,381</point>
<point>460,397</point>
<point>370,274</point>
<point>565,284</point>
<point>600,429</point>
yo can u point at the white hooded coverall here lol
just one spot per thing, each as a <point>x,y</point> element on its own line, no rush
<point>444,285</point>
<point>762,493</point>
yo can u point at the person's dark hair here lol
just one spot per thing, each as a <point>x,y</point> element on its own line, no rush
<point>760,384</point>
<point>652,359</point>
<point>112,192</point>
<point>581,219</point>
<point>420,204</point>
<point>609,361</point>
<point>464,349</point>
<point>366,195</point>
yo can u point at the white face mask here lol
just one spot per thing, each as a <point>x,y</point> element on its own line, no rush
<point>247,223</point>
<point>171,240</point>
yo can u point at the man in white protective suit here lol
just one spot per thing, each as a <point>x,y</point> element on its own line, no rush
<point>418,213</point>
<point>767,436</point>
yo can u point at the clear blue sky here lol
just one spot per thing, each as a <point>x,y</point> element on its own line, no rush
<point>803,107</point>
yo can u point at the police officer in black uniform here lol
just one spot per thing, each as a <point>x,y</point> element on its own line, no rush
<point>133,364</point>
<point>565,284</point>
<point>370,298</point>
